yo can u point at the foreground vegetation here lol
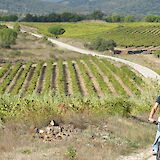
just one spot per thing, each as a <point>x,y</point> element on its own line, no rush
<point>124,34</point>
<point>107,122</point>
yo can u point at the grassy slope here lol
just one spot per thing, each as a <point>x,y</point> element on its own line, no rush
<point>122,33</point>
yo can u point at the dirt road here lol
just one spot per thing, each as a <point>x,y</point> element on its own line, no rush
<point>146,72</point>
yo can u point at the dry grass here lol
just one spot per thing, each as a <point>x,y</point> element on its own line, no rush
<point>31,48</point>
<point>150,60</point>
<point>96,138</point>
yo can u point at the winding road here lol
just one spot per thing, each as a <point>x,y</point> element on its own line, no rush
<point>146,72</point>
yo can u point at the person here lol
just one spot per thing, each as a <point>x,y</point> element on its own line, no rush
<point>152,120</point>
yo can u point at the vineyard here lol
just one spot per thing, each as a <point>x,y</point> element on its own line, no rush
<point>91,77</point>
<point>124,34</point>
<point>136,36</point>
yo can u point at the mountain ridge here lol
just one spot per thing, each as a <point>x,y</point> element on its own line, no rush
<point>136,7</point>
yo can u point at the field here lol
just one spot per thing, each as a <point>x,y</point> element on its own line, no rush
<point>96,102</point>
<point>92,77</point>
<point>125,34</point>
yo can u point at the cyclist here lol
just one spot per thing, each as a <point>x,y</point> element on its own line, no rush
<point>151,119</point>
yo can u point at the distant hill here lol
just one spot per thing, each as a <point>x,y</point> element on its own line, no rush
<point>32,6</point>
<point>136,7</point>
<point>115,6</point>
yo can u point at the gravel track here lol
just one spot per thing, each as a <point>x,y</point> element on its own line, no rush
<point>146,72</point>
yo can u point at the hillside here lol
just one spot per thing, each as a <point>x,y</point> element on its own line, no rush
<point>137,7</point>
<point>33,6</point>
<point>116,6</point>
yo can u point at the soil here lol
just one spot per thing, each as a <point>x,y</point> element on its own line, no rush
<point>41,78</point>
<point>83,88</point>
<point>13,83</point>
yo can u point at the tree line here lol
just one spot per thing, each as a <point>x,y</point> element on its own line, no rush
<point>75,17</point>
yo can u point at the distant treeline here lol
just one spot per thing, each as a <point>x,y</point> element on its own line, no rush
<point>74,17</point>
<point>9,18</point>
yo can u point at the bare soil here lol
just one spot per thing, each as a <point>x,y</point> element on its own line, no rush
<point>41,78</point>
<point>54,75</point>
<point>80,80</point>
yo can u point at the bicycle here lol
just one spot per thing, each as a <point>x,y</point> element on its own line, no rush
<point>158,152</point>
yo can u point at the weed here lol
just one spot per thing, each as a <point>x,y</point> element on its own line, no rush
<point>71,153</point>
<point>25,151</point>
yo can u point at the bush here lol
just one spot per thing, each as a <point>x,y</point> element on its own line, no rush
<point>17,27</point>
<point>7,37</point>
<point>56,30</point>
<point>157,54</point>
<point>3,26</point>
<point>102,44</point>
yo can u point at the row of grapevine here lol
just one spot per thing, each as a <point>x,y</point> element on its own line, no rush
<point>33,82</point>
<point>88,83</point>
<point>96,77</point>
<point>9,78</point>
<point>124,77</point>
<point>21,80</point>
<point>47,80</point>
<point>4,69</point>
<point>60,78</point>
<point>100,80</point>
<point>74,78</point>
<point>120,90</point>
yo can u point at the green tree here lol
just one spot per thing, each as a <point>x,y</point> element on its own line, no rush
<point>56,30</point>
<point>7,37</point>
<point>17,27</point>
<point>150,18</point>
<point>128,19</point>
<point>117,18</point>
<point>102,44</point>
<point>97,15</point>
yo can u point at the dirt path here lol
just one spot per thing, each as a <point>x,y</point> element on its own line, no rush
<point>146,72</point>
<point>141,155</point>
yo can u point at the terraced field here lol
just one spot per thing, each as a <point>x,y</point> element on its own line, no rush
<point>91,77</point>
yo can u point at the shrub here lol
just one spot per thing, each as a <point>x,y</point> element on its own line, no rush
<point>102,44</point>
<point>157,54</point>
<point>17,27</point>
<point>7,37</point>
<point>56,30</point>
<point>3,26</point>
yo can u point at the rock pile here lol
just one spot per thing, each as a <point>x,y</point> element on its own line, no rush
<point>54,132</point>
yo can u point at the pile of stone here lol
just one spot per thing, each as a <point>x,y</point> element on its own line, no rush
<point>54,132</point>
